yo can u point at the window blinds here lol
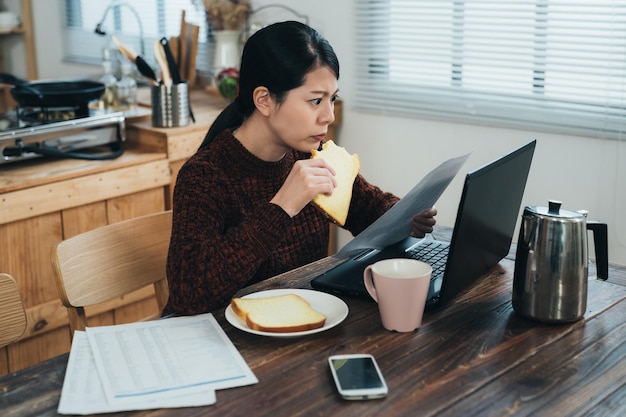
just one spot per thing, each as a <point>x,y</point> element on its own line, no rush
<point>156,18</point>
<point>553,65</point>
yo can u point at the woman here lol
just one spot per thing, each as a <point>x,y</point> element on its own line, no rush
<point>241,203</point>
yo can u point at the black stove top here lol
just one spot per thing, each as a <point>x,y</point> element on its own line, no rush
<point>35,116</point>
<point>60,132</point>
<point>32,116</point>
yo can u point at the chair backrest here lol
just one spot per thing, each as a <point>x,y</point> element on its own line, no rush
<point>12,313</point>
<point>108,262</point>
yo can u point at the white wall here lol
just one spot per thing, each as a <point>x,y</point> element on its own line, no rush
<point>395,152</point>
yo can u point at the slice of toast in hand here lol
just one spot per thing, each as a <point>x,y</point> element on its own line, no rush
<point>346,167</point>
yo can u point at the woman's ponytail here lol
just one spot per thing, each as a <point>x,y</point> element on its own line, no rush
<point>230,117</point>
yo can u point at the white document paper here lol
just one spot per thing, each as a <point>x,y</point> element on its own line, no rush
<point>83,394</point>
<point>396,223</point>
<point>164,358</point>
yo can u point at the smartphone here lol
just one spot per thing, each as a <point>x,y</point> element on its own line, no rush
<point>357,376</point>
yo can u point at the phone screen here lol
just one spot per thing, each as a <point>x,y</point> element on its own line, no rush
<point>356,373</point>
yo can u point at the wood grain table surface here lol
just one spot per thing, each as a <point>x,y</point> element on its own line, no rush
<point>472,357</point>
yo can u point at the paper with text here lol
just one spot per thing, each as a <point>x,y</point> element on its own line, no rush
<point>396,223</point>
<point>83,394</point>
<point>160,358</point>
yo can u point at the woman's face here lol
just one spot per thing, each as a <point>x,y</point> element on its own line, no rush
<point>301,120</point>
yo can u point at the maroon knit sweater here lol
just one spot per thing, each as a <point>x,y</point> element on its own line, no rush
<point>226,235</point>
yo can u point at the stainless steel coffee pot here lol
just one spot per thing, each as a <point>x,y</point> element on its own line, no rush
<point>551,264</point>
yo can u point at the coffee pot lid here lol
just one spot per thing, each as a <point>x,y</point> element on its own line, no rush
<point>554,210</point>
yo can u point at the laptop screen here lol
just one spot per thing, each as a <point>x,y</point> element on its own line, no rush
<point>488,212</point>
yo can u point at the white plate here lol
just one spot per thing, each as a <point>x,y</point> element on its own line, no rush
<point>332,307</point>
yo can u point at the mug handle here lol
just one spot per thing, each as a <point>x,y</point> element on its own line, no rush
<point>368,280</point>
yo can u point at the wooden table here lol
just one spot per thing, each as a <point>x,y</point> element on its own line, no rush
<point>473,357</point>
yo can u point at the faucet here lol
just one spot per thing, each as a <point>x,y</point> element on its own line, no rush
<point>115,3</point>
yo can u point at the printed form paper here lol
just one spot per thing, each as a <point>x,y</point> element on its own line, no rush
<point>83,393</point>
<point>396,223</point>
<point>164,358</point>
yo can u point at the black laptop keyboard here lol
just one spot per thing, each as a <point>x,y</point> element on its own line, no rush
<point>434,253</point>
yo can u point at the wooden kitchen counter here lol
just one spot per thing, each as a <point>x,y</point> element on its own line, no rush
<point>42,202</point>
<point>29,173</point>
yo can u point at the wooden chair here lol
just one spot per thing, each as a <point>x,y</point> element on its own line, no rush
<point>12,313</point>
<point>108,262</point>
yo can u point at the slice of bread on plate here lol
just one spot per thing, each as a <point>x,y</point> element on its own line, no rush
<point>278,314</point>
<point>346,168</point>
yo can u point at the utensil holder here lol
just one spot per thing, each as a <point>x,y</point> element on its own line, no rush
<point>170,105</point>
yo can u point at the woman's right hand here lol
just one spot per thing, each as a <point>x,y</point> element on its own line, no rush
<point>308,178</point>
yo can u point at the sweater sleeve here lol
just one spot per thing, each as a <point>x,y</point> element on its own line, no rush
<point>367,205</point>
<point>209,259</point>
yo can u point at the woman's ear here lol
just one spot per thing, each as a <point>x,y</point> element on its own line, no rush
<point>262,100</point>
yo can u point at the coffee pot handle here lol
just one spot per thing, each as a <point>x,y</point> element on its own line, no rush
<point>601,246</point>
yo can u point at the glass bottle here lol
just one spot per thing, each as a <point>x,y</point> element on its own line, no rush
<point>109,99</point>
<point>127,89</point>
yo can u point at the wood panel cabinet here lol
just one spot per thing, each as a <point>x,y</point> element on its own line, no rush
<point>42,203</point>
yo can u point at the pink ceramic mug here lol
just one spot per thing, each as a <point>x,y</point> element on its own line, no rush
<point>400,287</point>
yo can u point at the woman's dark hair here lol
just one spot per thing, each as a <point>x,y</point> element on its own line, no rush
<point>277,57</point>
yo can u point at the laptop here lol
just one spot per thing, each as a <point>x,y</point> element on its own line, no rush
<point>482,235</point>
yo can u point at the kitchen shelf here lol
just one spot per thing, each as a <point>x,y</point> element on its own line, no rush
<point>25,30</point>
<point>12,31</point>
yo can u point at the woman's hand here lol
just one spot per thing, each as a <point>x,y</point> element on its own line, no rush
<point>308,178</point>
<point>423,223</point>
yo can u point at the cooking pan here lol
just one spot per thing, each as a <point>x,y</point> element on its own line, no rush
<point>52,94</point>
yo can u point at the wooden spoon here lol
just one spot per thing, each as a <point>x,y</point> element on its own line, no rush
<point>159,54</point>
